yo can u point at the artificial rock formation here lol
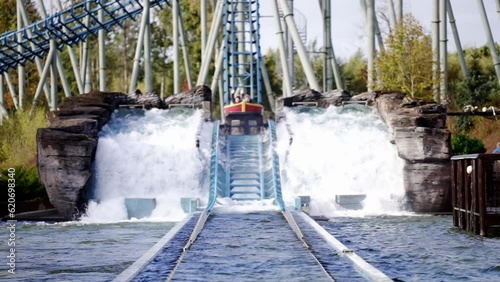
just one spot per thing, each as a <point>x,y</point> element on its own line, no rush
<point>334,97</point>
<point>66,148</point>
<point>418,128</point>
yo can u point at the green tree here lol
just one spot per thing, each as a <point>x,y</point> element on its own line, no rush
<point>462,144</point>
<point>475,90</point>
<point>354,73</point>
<point>406,63</point>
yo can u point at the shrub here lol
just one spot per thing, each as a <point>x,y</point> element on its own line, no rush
<point>462,144</point>
<point>18,138</point>
<point>27,184</point>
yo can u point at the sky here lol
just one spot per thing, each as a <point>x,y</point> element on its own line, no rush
<point>348,33</point>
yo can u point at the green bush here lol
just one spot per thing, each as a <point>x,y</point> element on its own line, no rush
<point>27,185</point>
<point>462,144</point>
<point>18,138</point>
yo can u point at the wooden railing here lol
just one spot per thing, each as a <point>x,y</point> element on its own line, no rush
<point>476,192</point>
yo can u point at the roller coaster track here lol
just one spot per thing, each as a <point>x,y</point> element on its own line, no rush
<point>67,27</point>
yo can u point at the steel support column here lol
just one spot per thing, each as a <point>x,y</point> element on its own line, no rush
<point>443,50</point>
<point>301,51</point>
<point>287,85</point>
<point>327,41</point>
<point>38,62</point>
<point>137,56</point>
<point>175,43</point>
<point>60,69</point>
<point>3,111</point>
<point>392,14</point>
<point>399,11</point>
<point>203,23</point>
<point>498,6</point>
<point>102,54</point>
<point>378,34</point>
<point>54,94</point>
<point>212,37</point>
<point>21,70</point>
<point>72,57</point>
<point>43,75</point>
<point>148,72</point>
<point>435,49</point>
<point>456,38</point>
<point>489,37</point>
<point>370,32</point>
<point>12,90</point>
<point>333,61</point>
<point>185,52</point>
<point>290,48</point>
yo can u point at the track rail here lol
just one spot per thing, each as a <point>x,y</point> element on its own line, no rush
<point>66,27</point>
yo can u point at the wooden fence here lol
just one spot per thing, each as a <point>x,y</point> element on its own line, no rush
<point>475,187</point>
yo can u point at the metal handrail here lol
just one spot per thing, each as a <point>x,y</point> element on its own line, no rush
<point>275,165</point>
<point>313,104</point>
<point>214,167</point>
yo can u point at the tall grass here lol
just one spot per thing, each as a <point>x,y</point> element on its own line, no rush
<point>18,138</point>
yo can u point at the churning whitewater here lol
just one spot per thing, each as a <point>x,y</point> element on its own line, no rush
<point>147,154</point>
<point>340,151</point>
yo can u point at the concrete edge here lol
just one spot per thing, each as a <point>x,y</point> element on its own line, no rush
<point>363,267</point>
<point>130,272</point>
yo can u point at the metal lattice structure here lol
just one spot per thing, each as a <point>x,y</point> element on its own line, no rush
<point>67,27</point>
<point>242,54</point>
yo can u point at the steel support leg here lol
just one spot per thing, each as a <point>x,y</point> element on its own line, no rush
<point>287,89</point>
<point>301,50</point>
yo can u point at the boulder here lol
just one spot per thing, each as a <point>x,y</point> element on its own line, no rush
<point>147,100</point>
<point>427,186</point>
<point>193,97</point>
<point>64,166</point>
<point>334,97</point>
<point>423,144</point>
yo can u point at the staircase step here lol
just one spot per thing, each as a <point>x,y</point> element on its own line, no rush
<point>245,178</point>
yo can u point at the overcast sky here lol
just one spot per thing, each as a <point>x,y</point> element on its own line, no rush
<point>347,23</point>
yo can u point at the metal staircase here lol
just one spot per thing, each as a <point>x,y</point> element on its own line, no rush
<point>242,55</point>
<point>245,167</point>
<point>245,178</point>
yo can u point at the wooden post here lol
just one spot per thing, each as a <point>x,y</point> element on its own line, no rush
<point>482,198</point>
<point>453,190</point>
<point>467,198</point>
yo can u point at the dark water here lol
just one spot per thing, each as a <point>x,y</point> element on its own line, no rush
<point>78,252</point>
<point>406,248</point>
<point>419,248</point>
<point>248,247</point>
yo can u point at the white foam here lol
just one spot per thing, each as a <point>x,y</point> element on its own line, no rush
<point>228,205</point>
<point>147,156</point>
<point>340,151</point>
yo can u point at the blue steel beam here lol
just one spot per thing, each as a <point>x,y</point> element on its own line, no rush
<point>67,28</point>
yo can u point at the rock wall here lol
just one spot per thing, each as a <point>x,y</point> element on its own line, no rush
<point>418,129</point>
<point>66,148</point>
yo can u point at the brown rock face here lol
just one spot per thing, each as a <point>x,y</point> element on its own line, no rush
<point>66,149</point>
<point>419,131</point>
<point>195,97</point>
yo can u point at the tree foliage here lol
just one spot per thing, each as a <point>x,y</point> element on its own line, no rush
<point>462,144</point>
<point>354,74</point>
<point>478,89</point>
<point>406,63</point>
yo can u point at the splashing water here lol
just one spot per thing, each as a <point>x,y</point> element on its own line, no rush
<point>149,154</point>
<point>340,151</point>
